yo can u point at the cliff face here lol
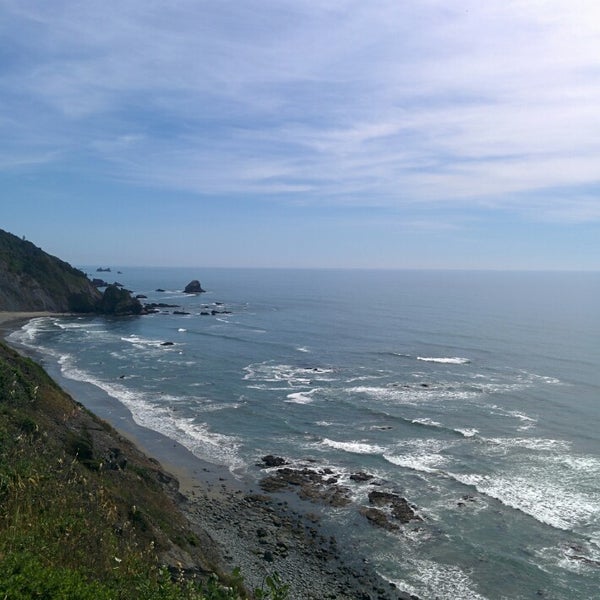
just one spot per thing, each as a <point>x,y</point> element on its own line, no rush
<point>32,280</point>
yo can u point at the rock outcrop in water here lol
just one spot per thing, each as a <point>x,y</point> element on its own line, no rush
<point>321,485</point>
<point>98,282</point>
<point>33,280</point>
<point>117,301</point>
<point>193,287</point>
<point>388,509</point>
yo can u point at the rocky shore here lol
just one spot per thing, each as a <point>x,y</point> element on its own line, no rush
<point>261,534</point>
<point>255,530</point>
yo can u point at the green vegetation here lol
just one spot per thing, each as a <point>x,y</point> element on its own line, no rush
<point>35,280</point>
<point>21,256</point>
<point>83,514</point>
<point>117,301</point>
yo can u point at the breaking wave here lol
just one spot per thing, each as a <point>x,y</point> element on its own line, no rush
<point>454,360</point>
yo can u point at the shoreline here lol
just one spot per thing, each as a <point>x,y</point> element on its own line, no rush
<point>259,533</point>
<point>9,320</point>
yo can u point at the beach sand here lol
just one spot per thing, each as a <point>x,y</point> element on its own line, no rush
<point>10,317</point>
<point>256,532</point>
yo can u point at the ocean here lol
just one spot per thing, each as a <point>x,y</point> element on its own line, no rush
<point>475,395</point>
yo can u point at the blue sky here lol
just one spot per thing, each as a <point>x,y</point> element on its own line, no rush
<point>386,134</point>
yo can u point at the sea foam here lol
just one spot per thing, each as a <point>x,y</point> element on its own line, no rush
<point>157,415</point>
<point>425,463</point>
<point>437,580</point>
<point>453,360</point>
<point>301,397</point>
<point>354,447</point>
<point>293,376</point>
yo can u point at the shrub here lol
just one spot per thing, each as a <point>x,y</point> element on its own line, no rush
<point>23,577</point>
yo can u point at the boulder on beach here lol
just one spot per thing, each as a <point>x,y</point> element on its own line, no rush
<point>193,287</point>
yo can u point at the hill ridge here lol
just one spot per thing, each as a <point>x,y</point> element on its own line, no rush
<point>33,280</point>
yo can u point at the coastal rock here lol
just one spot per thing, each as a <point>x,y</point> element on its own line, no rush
<point>310,484</point>
<point>389,506</point>
<point>97,282</point>
<point>273,461</point>
<point>153,305</point>
<point>193,287</point>
<point>116,301</point>
<point>378,518</point>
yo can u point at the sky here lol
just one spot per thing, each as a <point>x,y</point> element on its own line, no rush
<point>332,133</point>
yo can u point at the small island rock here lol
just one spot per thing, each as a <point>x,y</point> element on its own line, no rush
<point>193,287</point>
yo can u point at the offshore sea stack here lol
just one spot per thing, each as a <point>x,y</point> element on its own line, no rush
<point>193,287</point>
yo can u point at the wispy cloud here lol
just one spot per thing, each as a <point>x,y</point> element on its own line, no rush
<point>489,104</point>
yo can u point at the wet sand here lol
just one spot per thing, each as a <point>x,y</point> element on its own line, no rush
<point>10,320</point>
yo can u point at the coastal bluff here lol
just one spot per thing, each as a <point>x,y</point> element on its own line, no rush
<point>33,280</point>
<point>83,511</point>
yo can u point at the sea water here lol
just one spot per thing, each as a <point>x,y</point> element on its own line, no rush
<point>475,395</point>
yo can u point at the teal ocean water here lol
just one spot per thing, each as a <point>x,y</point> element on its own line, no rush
<point>476,395</point>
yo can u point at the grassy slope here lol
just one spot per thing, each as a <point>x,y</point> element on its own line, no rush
<point>82,512</point>
<point>35,280</point>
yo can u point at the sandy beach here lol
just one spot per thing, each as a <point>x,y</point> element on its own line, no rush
<point>9,316</point>
<point>10,320</point>
<point>259,533</point>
